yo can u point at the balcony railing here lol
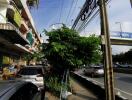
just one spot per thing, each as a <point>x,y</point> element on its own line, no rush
<point>24,27</point>
<point>4,2</point>
<point>13,14</point>
<point>12,34</point>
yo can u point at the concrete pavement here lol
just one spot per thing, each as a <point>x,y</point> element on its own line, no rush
<point>80,92</point>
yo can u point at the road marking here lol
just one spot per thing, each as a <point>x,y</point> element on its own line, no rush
<point>115,88</point>
<point>90,79</point>
<point>124,92</point>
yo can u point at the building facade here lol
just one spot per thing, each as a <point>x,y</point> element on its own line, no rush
<point>18,35</point>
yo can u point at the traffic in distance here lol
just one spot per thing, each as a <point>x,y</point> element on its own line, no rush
<point>122,77</point>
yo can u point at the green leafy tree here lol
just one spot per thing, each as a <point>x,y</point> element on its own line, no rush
<point>67,50</point>
<point>37,55</point>
<point>123,57</point>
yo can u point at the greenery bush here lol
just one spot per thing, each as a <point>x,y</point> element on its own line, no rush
<point>67,50</point>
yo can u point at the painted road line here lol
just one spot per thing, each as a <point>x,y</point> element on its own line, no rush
<point>97,82</point>
<point>115,88</point>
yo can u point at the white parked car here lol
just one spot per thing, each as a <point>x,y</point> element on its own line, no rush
<point>31,74</point>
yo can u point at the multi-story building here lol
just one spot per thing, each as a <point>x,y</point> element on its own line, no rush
<point>18,35</point>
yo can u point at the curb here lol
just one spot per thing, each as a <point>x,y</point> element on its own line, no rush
<point>94,87</point>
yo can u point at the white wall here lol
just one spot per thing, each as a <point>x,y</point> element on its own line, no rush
<point>3,10</point>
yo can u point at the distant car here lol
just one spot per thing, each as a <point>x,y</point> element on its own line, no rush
<point>94,71</point>
<point>31,74</point>
<point>17,90</point>
<point>124,65</point>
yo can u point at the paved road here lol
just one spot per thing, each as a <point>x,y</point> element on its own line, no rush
<point>123,83</point>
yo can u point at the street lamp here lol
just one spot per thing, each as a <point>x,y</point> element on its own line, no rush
<point>120,28</point>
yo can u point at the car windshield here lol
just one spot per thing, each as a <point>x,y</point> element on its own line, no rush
<point>30,71</point>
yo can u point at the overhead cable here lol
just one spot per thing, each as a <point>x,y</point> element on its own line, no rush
<point>61,9</point>
<point>69,10</point>
<point>73,9</point>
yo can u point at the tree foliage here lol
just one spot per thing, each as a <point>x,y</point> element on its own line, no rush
<point>35,56</point>
<point>66,49</point>
<point>123,57</point>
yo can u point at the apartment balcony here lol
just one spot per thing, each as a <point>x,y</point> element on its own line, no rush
<point>24,27</point>
<point>18,3</point>
<point>30,38</point>
<point>4,3</point>
<point>9,48</point>
<point>12,34</point>
<point>3,10</point>
<point>24,14</point>
<point>13,14</point>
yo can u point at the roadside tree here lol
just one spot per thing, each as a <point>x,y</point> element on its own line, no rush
<point>66,50</point>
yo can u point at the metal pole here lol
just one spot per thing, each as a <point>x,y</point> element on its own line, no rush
<point>106,47</point>
<point>131,3</point>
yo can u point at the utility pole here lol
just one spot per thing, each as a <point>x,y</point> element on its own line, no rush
<point>106,47</point>
<point>131,3</point>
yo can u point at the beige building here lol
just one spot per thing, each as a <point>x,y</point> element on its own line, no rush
<point>18,35</point>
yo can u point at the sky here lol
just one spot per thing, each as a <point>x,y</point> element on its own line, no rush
<point>52,12</point>
<point>55,11</point>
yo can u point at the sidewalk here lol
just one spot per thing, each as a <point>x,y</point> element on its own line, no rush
<point>50,96</point>
<point>80,92</point>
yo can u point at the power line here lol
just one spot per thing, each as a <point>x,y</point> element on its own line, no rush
<point>74,9</point>
<point>88,19</point>
<point>61,9</point>
<point>85,23</point>
<point>70,10</point>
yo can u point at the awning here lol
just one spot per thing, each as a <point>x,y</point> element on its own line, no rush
<point>12,34</point>
<point>21,48</point>
<point>12,49</point>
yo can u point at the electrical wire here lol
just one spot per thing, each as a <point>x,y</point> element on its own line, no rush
<point>61,9</point>
<point>73,10</point>
<point>88,20</point>
<point>69,10</point>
